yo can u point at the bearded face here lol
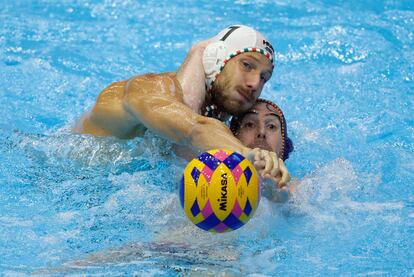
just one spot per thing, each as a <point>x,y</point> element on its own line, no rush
<point>241,82</point>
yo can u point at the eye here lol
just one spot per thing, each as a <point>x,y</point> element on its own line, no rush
<point>246,65</point>
<point>248,124</point>
<point>272,126</point>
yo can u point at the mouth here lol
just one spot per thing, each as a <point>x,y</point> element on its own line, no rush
<point>244,95</point>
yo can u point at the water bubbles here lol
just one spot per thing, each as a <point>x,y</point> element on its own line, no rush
<point>14,49</point>
<point>67,216</point>
<point>351,68</point>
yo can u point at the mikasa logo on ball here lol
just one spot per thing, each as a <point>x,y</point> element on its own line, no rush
<point>223,199</point>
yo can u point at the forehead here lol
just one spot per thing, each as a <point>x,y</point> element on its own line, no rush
<point>260,110</point>
<point>258,57</point>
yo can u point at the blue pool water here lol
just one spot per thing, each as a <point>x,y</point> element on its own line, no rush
<point>72,204</point>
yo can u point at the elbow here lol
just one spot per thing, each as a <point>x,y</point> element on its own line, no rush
<point>206,129</point>
<point>206,125</point>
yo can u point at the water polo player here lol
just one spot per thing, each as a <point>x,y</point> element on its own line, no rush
<point>220,77</point>
<point>264,126</point>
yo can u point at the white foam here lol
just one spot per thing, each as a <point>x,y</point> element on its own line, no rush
<point>15,221</point>
<point>264,259</point>
<point>60,236</point>
<point>337,177</point>
<point>111,204</point>
<point>50,239</point>
<point>350,68</point>
<point>370,206</point>
<point>309,135</point>
<point>65,217</point>
<point>374,273</point>
<point>11,273</point>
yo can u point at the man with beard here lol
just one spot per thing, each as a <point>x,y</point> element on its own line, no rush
<point>220,77</point>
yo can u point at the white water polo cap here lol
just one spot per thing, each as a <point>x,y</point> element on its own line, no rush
<point>229,43</point>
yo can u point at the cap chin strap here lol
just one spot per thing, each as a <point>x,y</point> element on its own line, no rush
<point>212,110</point>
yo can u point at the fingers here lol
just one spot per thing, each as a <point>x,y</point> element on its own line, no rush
<point>285,176</point>
<point>255,156</point>
<point>275,169</point>
<point>252,155</point>
<point>264,162</point>
<point>259,165</point>
<point>269,166</point>
<point>258,154</point>
<point>271,163</point>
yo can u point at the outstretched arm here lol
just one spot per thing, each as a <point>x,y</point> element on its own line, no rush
<point>155,102</point>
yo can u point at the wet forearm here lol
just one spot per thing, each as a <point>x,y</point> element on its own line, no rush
<point>210,133</point>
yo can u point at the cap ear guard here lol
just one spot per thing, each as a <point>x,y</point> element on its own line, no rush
<point>213,59</point>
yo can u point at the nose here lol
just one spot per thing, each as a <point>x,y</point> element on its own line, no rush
<point>253,82</point>
<point>261,132</point>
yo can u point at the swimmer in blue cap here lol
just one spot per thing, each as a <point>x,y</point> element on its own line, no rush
<point>220,77</point>
<point>264,126</point>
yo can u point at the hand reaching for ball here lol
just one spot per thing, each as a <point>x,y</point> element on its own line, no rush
<point>269,166</point>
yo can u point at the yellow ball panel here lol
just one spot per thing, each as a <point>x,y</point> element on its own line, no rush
<point>222,191</point>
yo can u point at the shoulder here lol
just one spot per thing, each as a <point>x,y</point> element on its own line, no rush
<point>153,78</point>
<point>112,92</point>
<point>163,83</point>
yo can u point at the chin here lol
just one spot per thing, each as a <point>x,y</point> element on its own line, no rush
<point>242,107</point>
<point>233,108</point>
